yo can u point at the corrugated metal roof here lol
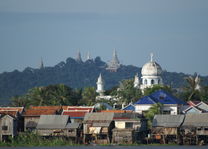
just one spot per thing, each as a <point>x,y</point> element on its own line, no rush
<point>193,103</point>
<point>32,112</point>
<point>129,107</point>
<point>19,109</point>
<point>145,100</point>
<point>165,98</point>
<point>102,116</point>
<point>73,125</point>
<point>196,120</point>
<point>74,114</point>
<point>107,124</point>
<point>46,107</point>
<point>123,116</point>
<point>53,121</point>
<point>117,111</point>
<point>167,120</point>
<point>11,113</point>
<point>160,96</point>
<point>82,108</point>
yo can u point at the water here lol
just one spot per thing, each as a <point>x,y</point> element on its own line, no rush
<point>113,147</point>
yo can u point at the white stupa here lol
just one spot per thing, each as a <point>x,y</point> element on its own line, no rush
<point>100,86</point>
<point>136,81</point>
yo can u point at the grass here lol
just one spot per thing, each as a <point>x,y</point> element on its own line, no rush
<point>31,139</point>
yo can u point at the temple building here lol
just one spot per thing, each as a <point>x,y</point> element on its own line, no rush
<point>114,64</point>
<point>41,64</point>
<point>151,75</point>
<point>88,56</point>
<point>79,58</point>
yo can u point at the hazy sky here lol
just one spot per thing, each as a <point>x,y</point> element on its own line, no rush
<point>176,31</point>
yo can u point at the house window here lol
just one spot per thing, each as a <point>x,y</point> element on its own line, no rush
<point>166,112</point>
<point>129,125</point>
<point>145,81</point>
<point>152,81</point>
<point>4,127</point>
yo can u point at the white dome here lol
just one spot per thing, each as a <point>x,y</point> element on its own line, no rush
<point>151,69</point>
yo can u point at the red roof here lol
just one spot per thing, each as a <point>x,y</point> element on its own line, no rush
<point>32,112</point>
<point>11,113</point>
<point>193,103</point>
<point>72,114</point>
<point>117,111</point>
<point>46,107</point>
<point>19,109</point>
<point>77,111</point>
<point>79,108</point>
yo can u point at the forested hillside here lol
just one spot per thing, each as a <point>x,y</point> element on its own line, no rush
<point>75,75</point>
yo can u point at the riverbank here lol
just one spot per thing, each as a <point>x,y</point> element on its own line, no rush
<point>32,140</point>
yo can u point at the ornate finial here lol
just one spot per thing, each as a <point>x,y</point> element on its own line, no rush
<point>79,58</point>
<point>151,57</point>
<point>41,63</point>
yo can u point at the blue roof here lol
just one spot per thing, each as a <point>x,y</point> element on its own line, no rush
<point>160,96</point>
<point>145,100</point>
<point>129,107</point>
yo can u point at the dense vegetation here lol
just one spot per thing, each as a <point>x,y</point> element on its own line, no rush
<point>76,75</point>
<point>125,93</point>
<point>32,139</point>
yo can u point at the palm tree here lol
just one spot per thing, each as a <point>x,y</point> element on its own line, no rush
<point>88,96</point>
<point>193,85</point>
<point>155,109</point>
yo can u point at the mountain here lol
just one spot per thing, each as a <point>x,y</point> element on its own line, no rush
<point>75,74</point>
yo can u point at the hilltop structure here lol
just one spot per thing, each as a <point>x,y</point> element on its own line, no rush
<point>79,58</point>
<point>88,56</point>
<point>41,64</point>
<point>151,75</point>
<point>114,64</point>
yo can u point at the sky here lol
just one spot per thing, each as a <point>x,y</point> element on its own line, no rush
<point>176,31</point>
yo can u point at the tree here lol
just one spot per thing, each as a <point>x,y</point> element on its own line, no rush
<point>19,101</point>
<point>150,90</point>
<point>127,93</point>
<point>88,96</point>
<point>193,89</point>
<point>59,94</point>
<point>155,109</point>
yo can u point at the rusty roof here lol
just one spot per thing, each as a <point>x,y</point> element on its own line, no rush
<point>193,103</point>
<point>168,120</point>
<point>78,108</point>
<point>11,113</point>
<point>100,117</point>
<point>117,111</point>
<point>19,109</point>
<point>38,112</point>
<point>46,107</point>
<point>75,114</point>
<point>53,121</point>
<point>196,120</point>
